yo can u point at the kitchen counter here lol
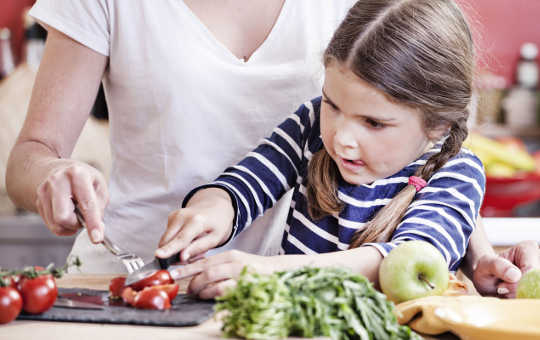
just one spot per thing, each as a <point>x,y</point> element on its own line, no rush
<point>81,331</point>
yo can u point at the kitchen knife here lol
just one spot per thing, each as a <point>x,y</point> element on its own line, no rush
<point>151,267</point>
<point>63,302</point>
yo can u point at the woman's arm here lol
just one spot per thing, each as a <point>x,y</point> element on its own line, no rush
<point>40,177</point>
<point>213,275</point>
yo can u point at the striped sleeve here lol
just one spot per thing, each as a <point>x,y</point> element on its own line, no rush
<point>265,174</point>
<point>444,213</point>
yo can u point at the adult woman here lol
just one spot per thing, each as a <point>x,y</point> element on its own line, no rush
<point>188,86</point>
<point>191,86</point>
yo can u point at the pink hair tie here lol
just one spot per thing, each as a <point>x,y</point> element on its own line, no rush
<point>417,182</point>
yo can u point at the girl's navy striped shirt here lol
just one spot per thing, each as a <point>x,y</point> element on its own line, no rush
<point>443,213</point>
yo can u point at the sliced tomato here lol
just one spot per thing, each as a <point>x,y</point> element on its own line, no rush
<point>128,295</point>
<point>117,286</point>
<point>160,277</point>
<point>10,304</point>
<point>152,298</point>
<point>38,293</point>
<point>171,289</point>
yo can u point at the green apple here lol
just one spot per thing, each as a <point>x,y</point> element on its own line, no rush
<point>529,285</point>
<point>412,270</point>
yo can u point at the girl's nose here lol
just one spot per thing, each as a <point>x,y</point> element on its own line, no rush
<point>345,138</point>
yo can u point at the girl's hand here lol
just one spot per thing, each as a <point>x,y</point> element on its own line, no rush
<point>203,224</point>
<point>73,181</point>
<point>498,275</point>
<point>215,274</point>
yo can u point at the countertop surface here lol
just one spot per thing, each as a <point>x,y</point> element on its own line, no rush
<point>511,230</point>
<point>82,331</point>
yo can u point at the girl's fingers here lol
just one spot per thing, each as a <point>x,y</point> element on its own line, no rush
<point>213,274</point>
<point>174,224</point>
<point>217,289</point>
<point>528,256</point>
<point>187,233</point>
<point>199,266</point>
<point>200,246</point>
<point>506,290</point>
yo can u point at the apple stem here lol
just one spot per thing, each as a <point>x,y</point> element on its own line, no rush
<point>421,277</point>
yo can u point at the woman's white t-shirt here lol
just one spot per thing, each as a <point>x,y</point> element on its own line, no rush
<point>182,107</point>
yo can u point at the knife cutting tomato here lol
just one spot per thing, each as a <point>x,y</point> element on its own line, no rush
<point>145,293</point>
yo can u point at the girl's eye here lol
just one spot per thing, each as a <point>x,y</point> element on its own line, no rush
<point>374,124</point>
<point>332,106</point>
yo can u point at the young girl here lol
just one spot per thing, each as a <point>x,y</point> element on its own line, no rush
<point>375,162</point>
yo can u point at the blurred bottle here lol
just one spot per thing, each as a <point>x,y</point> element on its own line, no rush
<point>521,104</point>
<point>7,61</point>
<point>527,68</point>
<point>35,36</point>
<point>491,89</point>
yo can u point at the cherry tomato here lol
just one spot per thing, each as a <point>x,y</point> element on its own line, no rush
<point>12,281</point>
<point>160,277</point>
<point>10,304</point>
<point>152,298</point>
<point>38,293</point>
<point>117,286</point>
<point>171,289</point>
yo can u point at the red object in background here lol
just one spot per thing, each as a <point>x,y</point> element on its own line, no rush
<point>503,194</point>
<point>500,27</point>
<point>11,16</point>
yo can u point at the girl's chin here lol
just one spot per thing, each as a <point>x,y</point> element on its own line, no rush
<point>357,179</point>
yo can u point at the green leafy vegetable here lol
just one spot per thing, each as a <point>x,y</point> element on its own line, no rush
<point>309,302</point>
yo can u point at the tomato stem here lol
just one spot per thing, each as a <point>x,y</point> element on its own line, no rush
<point>33,272</point>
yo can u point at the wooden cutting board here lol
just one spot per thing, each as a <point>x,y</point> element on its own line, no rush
<point>185,311</point>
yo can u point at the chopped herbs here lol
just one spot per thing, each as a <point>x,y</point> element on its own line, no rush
<point>309,302</point>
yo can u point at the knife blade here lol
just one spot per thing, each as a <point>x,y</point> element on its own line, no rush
<point>63,302</point>
<point>151,267</point>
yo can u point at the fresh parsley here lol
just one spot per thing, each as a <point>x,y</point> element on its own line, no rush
<point>309,302</point>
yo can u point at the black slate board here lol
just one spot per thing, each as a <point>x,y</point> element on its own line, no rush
<point>185,311</point>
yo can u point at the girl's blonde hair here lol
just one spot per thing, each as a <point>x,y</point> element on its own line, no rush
<point>419,53</point>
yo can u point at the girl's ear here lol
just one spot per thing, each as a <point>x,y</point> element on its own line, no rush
<point>439,131</point>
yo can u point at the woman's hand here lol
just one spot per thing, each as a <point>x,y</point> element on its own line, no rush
<point>498,275</point>
<point>203,224</point>
<point>215,274</point>
<point>73,181</point>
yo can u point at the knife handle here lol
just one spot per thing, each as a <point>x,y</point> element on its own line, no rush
<point>167,262</point>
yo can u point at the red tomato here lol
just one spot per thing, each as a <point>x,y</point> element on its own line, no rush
<point>38,294</point>
<point>10,304</point>
<point>152,298</point>
<point>116,287</point>
<point>170,289</point>
<point>128,295</point>
<point>160,277</point>
<point>12,281</point>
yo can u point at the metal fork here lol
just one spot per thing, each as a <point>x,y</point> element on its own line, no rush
<point>131,261</point>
